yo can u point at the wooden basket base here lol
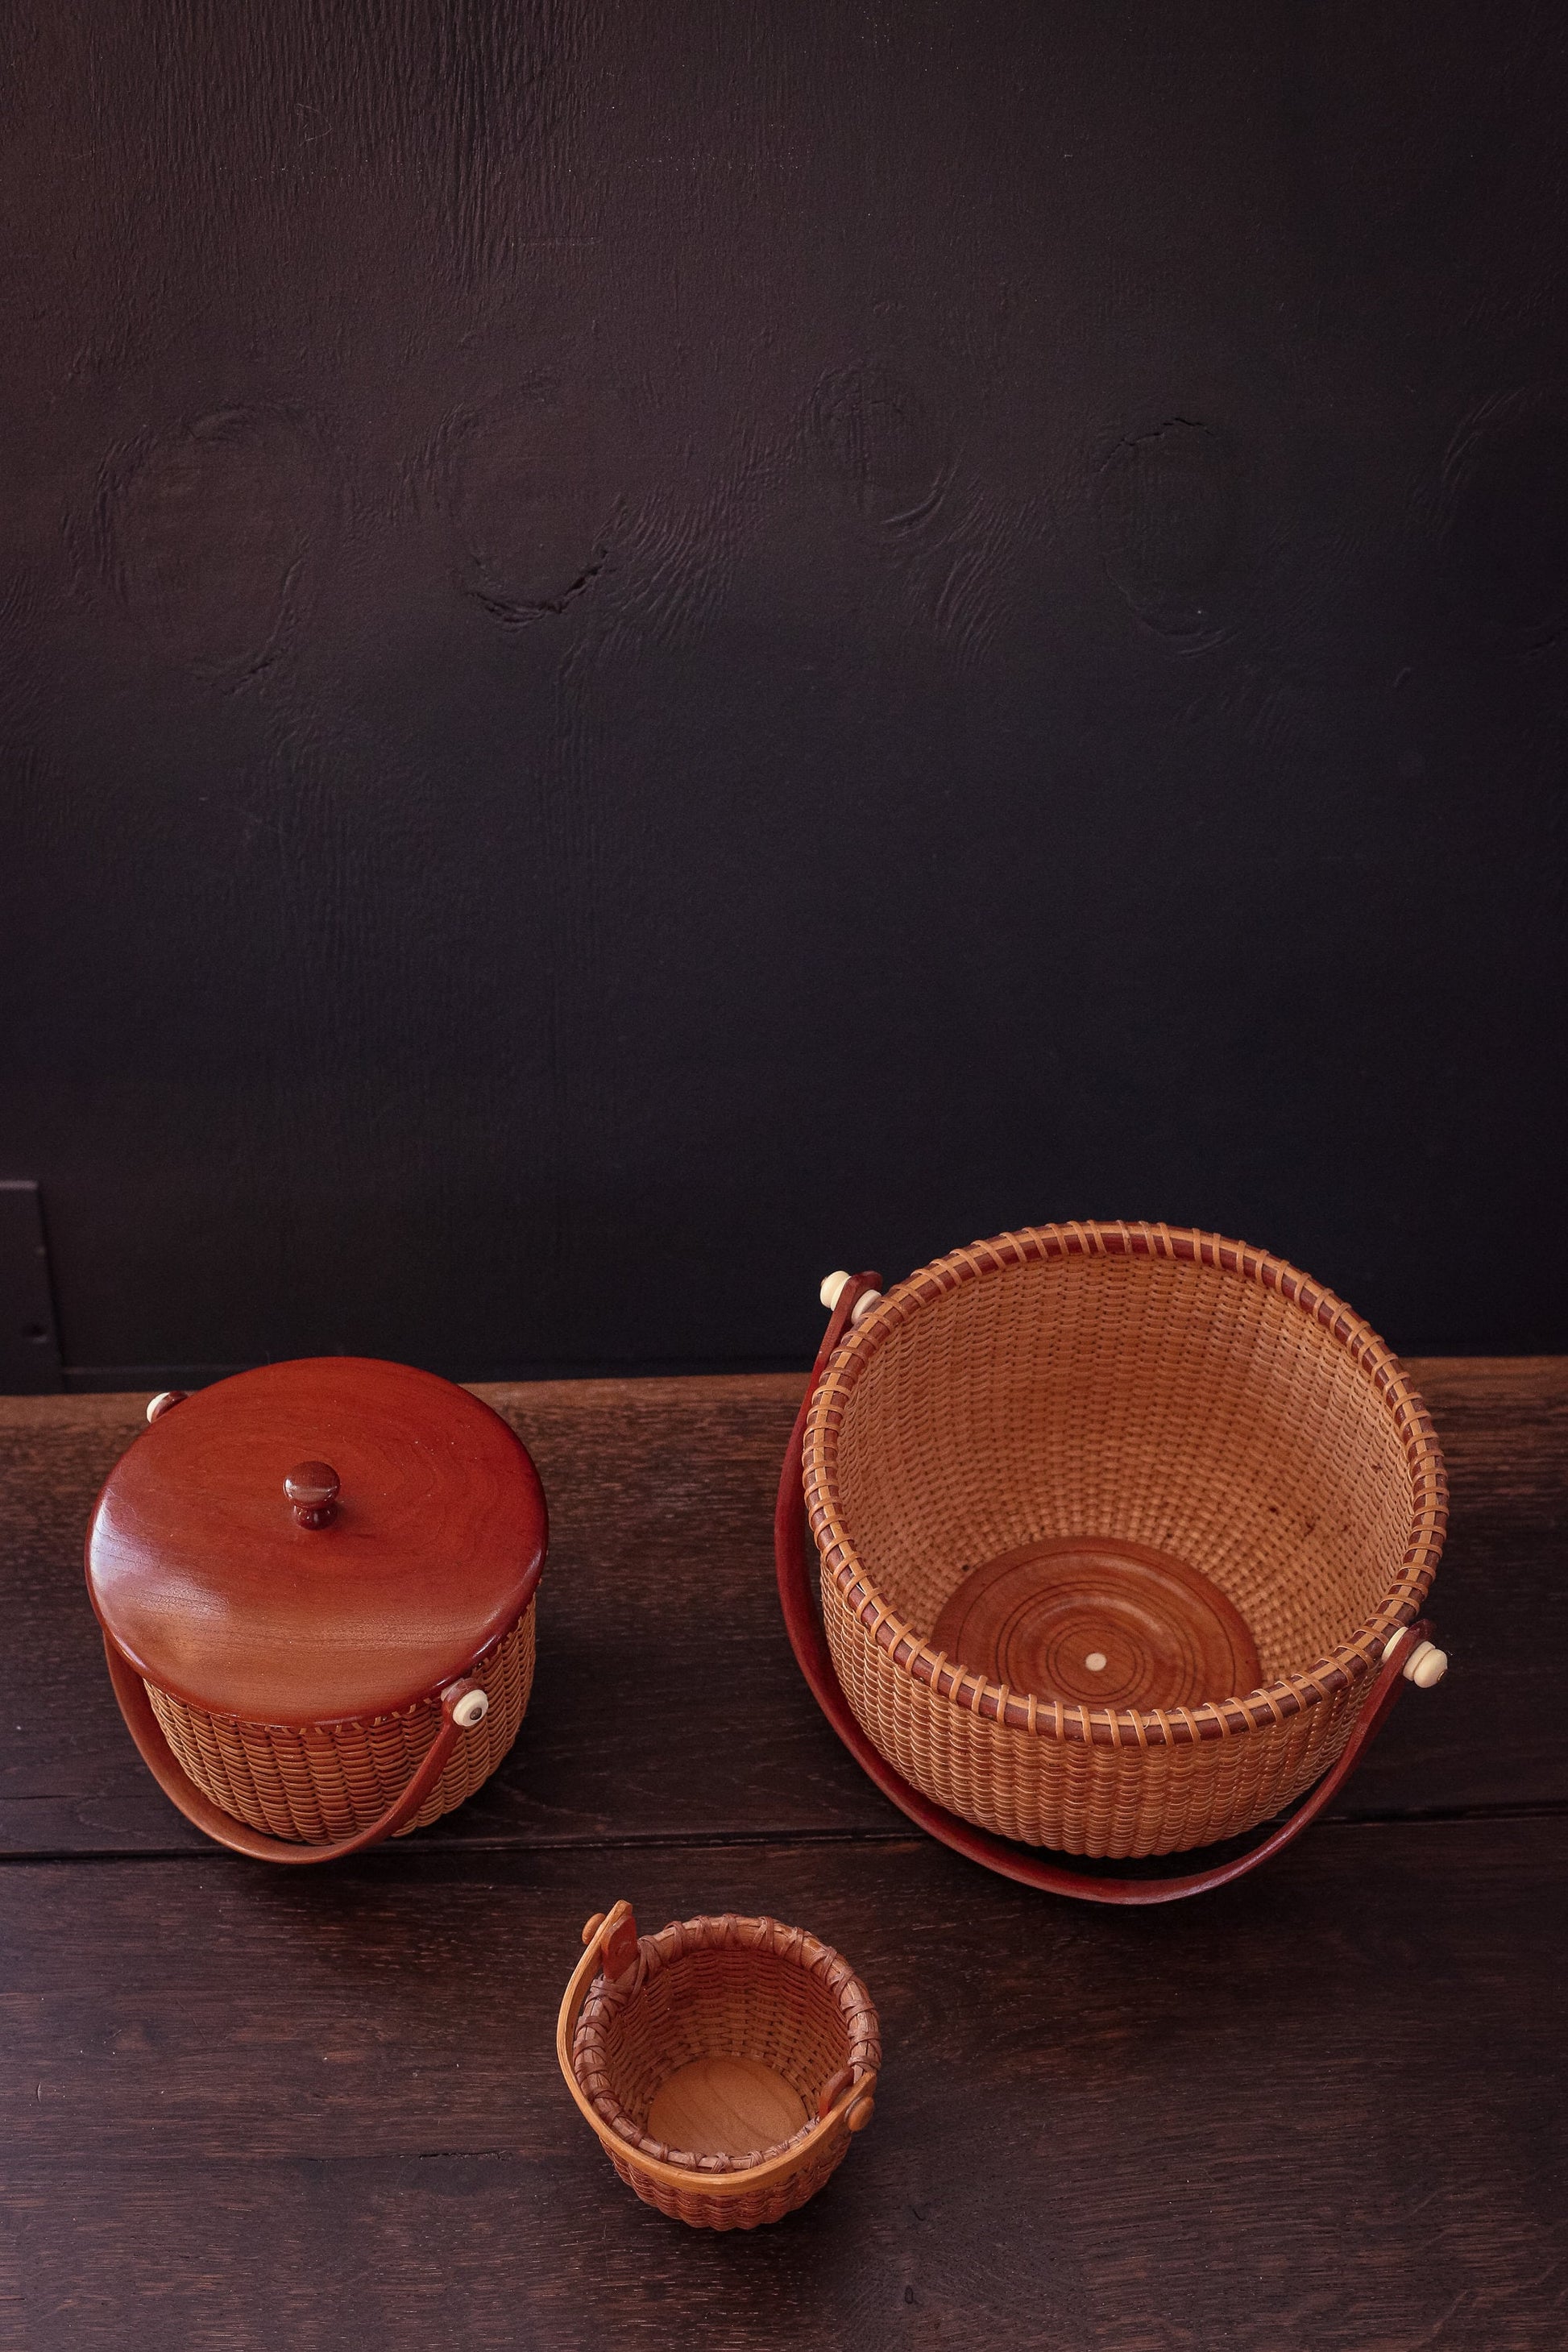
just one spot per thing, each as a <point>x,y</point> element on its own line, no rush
<point>1095,1620</point>
<point>725,2107</point>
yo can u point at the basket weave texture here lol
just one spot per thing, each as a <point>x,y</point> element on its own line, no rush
<point>329,1780</point>
<point>1156,1385</point>
<point>731,1987</point>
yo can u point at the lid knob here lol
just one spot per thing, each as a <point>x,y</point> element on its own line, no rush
<point>313,1489</point>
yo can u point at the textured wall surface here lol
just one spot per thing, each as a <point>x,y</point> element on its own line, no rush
<point>654,644</point>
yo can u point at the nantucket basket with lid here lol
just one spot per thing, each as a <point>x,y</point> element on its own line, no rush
<point>1124,1532</point>
<point>316,1587</point>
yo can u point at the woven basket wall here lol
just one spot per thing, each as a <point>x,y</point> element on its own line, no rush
<point>1162,1387</point>
<point>744,1988</point>
<point>700,2210</point>
<point>331,1780</point>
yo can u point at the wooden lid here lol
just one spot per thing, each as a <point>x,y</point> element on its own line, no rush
<point>317,1541</point>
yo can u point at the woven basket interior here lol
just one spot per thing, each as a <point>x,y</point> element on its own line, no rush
<point>1175,1405</point>
<point>698,1993</point>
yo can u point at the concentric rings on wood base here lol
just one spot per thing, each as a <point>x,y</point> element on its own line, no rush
<point>1101,1622</point>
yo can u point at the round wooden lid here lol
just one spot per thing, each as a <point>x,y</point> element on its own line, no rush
<point>316,1541</point>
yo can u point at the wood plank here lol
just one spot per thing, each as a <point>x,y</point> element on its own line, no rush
<point>1491,1734</point>
<point>243,2108</point>
<point>661,1647</point>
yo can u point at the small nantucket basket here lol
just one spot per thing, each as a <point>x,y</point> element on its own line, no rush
<point>725,2064</point>
<point>316,1585</point>
<point>1124,1532</point>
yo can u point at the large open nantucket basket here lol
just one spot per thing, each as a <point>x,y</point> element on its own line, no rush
<point>316,1584</point>
<point>1124,1533</point>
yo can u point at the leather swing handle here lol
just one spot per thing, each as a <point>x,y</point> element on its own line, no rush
<point>809,1644</point>
<point>181,1790</point>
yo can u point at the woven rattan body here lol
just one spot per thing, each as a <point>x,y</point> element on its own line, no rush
<point>1136,1382</point>
<point>744,1988</point>
<point>328,1780</point>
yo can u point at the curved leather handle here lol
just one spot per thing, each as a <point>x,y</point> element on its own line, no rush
<point>1024,1863</point>
<point>177,1785</point>
<point>597,1937</point>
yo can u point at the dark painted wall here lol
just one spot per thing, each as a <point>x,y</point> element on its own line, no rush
<point>650,647</point>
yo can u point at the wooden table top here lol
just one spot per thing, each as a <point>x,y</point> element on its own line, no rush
<point>251,2110</point>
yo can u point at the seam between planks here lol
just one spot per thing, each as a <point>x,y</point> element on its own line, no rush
<point>1434,1817</point>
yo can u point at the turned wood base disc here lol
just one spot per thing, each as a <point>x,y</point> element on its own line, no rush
<point>1094,1620</point>
<point>725,2107</point>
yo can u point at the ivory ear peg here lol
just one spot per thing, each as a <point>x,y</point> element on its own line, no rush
<point>593,1927</point>
<point>1426,1664</point>
<point>832,1291</point>
<point>860,2113</point>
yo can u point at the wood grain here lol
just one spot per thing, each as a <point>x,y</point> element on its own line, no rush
<point>242,2109</point>
<point>223,1593</point>
<point>504,501</point>
<point>661,1496</point>
<point>1099,1622</point>
<point>725,2107</point>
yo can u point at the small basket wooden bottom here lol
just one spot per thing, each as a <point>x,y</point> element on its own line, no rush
<point>329,1780</point>
<point>715,2027</point>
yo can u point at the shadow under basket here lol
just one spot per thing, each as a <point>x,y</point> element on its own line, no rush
<point>1122,1534</point>
<point>725,2064</point>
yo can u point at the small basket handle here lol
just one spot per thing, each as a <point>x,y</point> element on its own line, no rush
<point>458,1716</point>
<point>1408,1654</point>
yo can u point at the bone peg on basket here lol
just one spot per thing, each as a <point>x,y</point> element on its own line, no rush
<point>832,1291</point>
<point>1426,1664</point>
<point>470,1704</point>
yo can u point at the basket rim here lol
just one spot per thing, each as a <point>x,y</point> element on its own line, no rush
<point>1222,1719</point>
<point>330,1726</point>
<point>582,2037</point>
